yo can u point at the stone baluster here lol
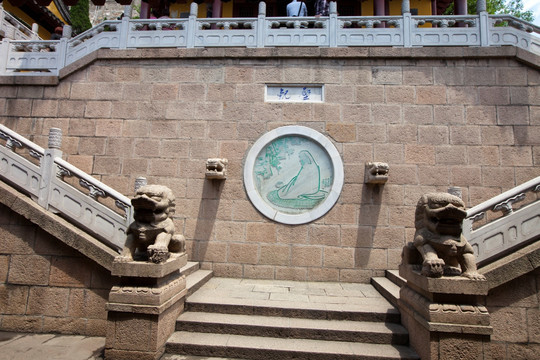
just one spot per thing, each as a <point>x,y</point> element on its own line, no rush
<point>407,23</point>
<point>456,191</point>
<point>140,182</point>
<point>261,28</point>
<point>124,32</point>
<point>35,29</point>
<point>483,27</point>
<point>333,24</point>
<point>192,25</point>
<point>47,166</point>
<point>67,31</point>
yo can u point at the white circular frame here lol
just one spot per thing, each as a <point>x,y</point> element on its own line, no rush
<point>265,208</point>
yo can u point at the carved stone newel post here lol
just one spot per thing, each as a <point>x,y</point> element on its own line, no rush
<point>441,303</point>
<point>149,297</point>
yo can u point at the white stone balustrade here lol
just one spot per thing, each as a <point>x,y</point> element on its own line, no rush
<point>12,28</point>
<point>44,182</point>
<point>48,57</point>
<point>511,229</point>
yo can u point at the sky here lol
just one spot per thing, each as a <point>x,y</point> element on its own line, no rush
<point>533,5</point>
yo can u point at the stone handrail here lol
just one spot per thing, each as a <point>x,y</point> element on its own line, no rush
<point>47,182</point>
<point>13,28</point>
<point>49,57</point>
<point>508,227</point>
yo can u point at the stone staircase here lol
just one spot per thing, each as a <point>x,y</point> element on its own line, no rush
<point>257,319</point>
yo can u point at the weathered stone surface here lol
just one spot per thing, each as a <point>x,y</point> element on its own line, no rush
<point>149,270</point>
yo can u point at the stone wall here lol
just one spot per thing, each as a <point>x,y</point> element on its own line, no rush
<point>46,286</point>
<point>440,117</point>
<point>515,317</point>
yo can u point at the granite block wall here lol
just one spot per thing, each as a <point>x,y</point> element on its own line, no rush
<point>46,286</point>
<point>438,117</point>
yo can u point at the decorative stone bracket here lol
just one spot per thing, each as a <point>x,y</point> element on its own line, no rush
<point>376,173</point>
<point>216,169</point>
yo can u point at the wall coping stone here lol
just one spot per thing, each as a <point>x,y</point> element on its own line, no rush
<point>512,266</point>
<point>456,52</point>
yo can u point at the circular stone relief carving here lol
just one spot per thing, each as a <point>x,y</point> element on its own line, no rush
<point>293,175</point>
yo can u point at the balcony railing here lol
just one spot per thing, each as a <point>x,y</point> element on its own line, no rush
<point>49,57</point>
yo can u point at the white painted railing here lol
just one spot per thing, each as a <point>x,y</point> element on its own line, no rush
<point>48,57</point>
<point>46,180</point>
<point>502,225</point>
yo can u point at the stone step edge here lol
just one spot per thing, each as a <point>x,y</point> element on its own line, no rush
<point>369,313</point>
<point>255,347</point>
<point>316,329</point>
<point>195,280</point>
<point>393,275</point>
<point>189,268</point>
<point>388,289</point>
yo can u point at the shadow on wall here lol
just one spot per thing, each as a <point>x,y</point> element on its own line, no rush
<point>206,218</point>
<point>368,217</point>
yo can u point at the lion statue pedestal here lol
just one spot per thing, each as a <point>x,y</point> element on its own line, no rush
<point>151,290</point>
<point>441,302</point>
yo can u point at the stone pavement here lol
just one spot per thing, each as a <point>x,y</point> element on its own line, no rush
<point>21,346</point>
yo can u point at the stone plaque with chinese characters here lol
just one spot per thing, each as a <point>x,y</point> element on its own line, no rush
<point>294,93</point>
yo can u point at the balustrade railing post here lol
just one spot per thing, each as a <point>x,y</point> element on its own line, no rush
<point>261,25</point>
<point>483,28</point>
<point>4,55</point>
<point>333,24</point>
<point>192,25</point>
<point>35,29</point>
<point>407,22</point>
<point>67,31</point>
<point>124,32</point>
<point>47,167</point>
<point>61,49</point>
<point>408,26</point>
<point>140,182</point>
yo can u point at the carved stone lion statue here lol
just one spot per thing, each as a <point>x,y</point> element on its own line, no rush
<point>151,236</point>
<point>439,245</point>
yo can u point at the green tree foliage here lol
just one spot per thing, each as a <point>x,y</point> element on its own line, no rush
<point>80,19</point>
<point>510,7</point>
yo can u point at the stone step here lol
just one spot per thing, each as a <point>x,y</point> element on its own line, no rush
<point>190,268</point>
<point>192,357</point>
<point>393,275</point>
<point>197,279</point>
<point>387,288</point>
<point>257,347</point>
<point>354,312</point>
<point>286,327</point>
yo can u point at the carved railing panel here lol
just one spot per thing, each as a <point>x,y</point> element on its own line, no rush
<point>13,28</point>
<point>14,167</point>
<point>48,57</point>
<point>506,222</point>
<point>48,184</point>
